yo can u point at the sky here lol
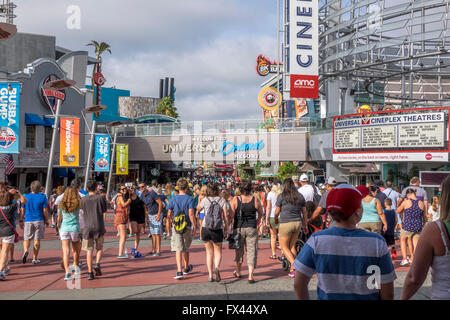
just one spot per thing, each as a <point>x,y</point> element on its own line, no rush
<point>208,46</point>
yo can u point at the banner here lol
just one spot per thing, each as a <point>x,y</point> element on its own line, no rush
<point>9,117</point>
<point>122,159</point>
<point>102,153</point>
<point>304,49</point>
<point>301,108</point>
<point>69,145</point>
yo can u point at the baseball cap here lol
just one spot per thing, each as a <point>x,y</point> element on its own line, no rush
<point>331,181</point>
<point>304,178</point>
<point>346,198</point>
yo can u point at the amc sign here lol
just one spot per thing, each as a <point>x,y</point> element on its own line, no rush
<point>304,86</point>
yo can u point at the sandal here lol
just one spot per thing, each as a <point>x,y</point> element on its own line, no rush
<point>236,275</point>
<point>273,257</point>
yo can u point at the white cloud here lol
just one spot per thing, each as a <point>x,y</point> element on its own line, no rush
<point>208,46</point>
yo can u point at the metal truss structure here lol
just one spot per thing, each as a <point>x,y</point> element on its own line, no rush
<point>394,50</point>
<point>7,11</point>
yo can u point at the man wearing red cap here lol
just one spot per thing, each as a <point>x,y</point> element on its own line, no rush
<point>351,264</point>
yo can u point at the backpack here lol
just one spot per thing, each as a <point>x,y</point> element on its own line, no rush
<point>180,220</point>
<point>213,218</point>
<point>316,197</point>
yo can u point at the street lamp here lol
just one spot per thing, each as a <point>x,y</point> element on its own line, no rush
<point>54,86</point>
<point>113,124</point>
<point>96,110</point>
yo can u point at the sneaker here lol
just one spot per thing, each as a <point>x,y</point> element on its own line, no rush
<point>24,257</point>
<point>292,274</point>
<point>68,277</point>
<point>36,261</point>
<point>124,256</point>
<point>2,276</point>
<point>11,261</point>
<point>179,275</point>
<point>138,255</point>
<point>404,262</point>
<point>98,271</point>
<point>6,271</point>
<point>157,254</point>
<point>133,251</point>
<point>91,276</point>
<point>130,235</point>
<point>189,269</point>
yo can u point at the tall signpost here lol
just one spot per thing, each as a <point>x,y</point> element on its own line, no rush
<point>304,49</point>
<point>55,85</point>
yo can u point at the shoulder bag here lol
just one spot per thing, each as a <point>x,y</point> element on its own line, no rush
<point>16,238</point>
<point>234,239</point>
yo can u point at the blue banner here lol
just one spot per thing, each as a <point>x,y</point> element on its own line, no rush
<point>9,117</point>
<point>102,153</point>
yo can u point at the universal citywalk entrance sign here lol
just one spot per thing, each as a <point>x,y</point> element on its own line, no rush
<point>396,135</point>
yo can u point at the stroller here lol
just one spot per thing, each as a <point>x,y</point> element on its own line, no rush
<point>302,238</point>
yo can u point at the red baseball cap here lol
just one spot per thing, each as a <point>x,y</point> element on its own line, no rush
<point>346,198</point>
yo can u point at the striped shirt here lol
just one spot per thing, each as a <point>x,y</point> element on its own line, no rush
<point>345,260</point>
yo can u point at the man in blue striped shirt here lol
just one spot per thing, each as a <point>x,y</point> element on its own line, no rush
<point>351,264</point>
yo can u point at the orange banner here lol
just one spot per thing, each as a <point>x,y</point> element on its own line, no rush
<point>69,146</point>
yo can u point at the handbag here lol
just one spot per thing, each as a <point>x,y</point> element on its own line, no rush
<point>234,239</point>
<point>16,237</point>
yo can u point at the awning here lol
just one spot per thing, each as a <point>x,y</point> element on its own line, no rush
<point>33,119</point>
<point>60,172</point>
<point>48,122</point>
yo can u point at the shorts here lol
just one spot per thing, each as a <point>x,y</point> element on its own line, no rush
<point>139,218</point>
<point>288,229</point>
<point>371,226</point>
<point>181,242</point>
<point>390,239</point>
<point>88,244</point>
<point>272,223</point>
<point>155,226</point>
<point>34,230</point>
<point>409,234</point>
<point>73,236</point>
<point>9,239</point>
<point>215,236</point>
<point>201,215</point>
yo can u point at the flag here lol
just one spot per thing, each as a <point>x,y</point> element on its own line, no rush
<point>9,160</point>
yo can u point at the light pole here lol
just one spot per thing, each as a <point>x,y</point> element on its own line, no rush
<point>113,124</point>
<point>55,85</point>
<point>93,109</point>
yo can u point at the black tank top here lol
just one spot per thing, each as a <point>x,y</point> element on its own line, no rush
<point>245,214</point>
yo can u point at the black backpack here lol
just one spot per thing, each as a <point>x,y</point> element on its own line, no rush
<point>213,218</point>
<point>316,197</point>
<point>180,220</point>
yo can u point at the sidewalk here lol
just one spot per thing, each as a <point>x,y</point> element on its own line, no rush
<point>152,277</point>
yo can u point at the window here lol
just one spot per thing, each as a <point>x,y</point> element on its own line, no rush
<point>48,133</point>
<point>31,137</point>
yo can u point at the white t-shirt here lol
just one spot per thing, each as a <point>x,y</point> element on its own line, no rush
<point>307,192</point>
<point>434,214</point>
<point>272,197</point>
<point>393,195</point>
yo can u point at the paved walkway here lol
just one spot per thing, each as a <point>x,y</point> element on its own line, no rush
<point>152,277</point>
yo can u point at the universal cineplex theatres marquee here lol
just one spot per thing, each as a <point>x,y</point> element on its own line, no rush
<point>397,135</point>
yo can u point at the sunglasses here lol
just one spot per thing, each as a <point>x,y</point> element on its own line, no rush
<point>141,187</point>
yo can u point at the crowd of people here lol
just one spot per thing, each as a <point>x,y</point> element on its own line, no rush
<point>348,229</point>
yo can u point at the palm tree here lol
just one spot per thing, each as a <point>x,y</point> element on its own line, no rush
<point>99,49</point>
<point>166,107</point>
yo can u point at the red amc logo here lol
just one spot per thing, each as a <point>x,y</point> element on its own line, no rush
<point>428,156</point>
<point>304,86</point>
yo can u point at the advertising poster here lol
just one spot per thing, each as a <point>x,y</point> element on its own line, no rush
<point>9,119</point>
<point>69,152</point>
<point>122,159</point>
<point>301,108</point>
<point>102,154</point>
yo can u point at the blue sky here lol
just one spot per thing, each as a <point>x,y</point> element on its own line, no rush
<point>208,46</point>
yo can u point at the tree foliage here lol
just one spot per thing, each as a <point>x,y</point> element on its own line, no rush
<point>165,106</point>
<point>286,170</point>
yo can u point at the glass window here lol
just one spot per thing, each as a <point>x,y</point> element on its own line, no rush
<point>31,137</point>
<point>48,137</point>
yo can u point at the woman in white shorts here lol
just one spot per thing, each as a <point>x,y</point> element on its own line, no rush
<point>69,228</point>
